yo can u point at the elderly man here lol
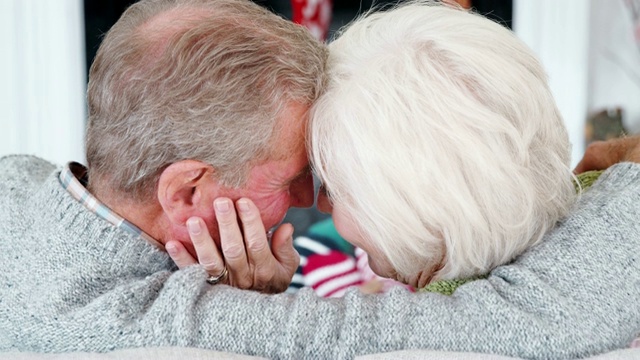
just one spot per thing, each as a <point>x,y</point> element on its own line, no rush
<point>182,110</point>
<point>189,101</point>
<point>193,100</point>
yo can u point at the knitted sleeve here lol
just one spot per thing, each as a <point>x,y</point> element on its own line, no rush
<point>571,296</point>
<point>543,305</point>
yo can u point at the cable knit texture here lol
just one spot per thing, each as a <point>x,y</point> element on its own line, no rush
<point>70,281</point>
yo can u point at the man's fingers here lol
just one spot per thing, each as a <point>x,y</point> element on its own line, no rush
<point>179,254</point>
<point>208,254</point>
<point>286,256</point>
<point>583,166</point>
<point>232,243</point>
<point>264,266</point>
<point>631,147</point>
<point>247,255</point>
<point>272,272</point>
<point>283,250</point>
<point>599,156</point>
<point>255,238</point>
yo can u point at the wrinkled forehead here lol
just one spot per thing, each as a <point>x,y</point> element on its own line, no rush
<point>291,131</point>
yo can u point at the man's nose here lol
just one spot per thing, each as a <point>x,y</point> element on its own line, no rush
<point>301,191</point>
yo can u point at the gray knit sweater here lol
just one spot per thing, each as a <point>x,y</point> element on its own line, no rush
<point>70,281</point>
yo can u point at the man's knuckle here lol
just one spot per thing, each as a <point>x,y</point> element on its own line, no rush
<point>248,216</point>
<point>198,240</point>
<point>257,246</point>
<point>209,265</point>
<point>292,265</point>
<point>263,275</point>
<point>233,252</point>
<point>227,221</point>
<point>245,283</point>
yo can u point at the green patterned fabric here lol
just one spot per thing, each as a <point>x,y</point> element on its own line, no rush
<point>586,179</point>
<point>447,287</point>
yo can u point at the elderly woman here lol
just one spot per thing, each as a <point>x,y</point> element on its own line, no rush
<point>443,155</point>
<point>439,143</point>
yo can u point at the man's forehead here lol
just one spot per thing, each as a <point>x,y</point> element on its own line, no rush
<point>292,131</point>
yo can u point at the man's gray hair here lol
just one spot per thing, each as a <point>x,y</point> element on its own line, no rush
<point>439,135</point>
<point>194,79</point>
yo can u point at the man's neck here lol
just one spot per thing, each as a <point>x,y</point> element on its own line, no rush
<point>147,216</point>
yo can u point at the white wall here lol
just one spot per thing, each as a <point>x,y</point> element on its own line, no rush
<point>42,104</point>
<point>558,32</point>
<point>615,59</point>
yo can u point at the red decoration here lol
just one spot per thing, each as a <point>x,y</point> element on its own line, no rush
<point>315,15</point>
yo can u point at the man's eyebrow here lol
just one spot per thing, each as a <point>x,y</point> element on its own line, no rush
<point>305,171</point>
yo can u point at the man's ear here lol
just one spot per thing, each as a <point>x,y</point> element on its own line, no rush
<point>186,188</point>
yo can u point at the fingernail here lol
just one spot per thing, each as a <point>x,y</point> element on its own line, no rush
<point>171,249</point>
<point>243,205</point>
<point>222,205</point>
<point>194,226</point>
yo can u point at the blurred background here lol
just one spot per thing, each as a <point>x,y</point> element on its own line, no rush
<point>590,49</point>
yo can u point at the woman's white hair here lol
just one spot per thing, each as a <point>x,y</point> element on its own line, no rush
<point>439,135</point>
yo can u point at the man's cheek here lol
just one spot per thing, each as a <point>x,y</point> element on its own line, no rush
<point>273,212</point>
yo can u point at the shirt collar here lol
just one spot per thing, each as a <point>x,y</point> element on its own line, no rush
<point>74,179</point>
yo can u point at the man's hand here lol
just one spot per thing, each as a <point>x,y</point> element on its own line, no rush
<point>250,261</point>
<point>602,154</point>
